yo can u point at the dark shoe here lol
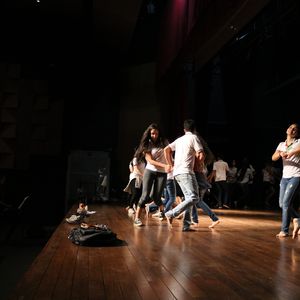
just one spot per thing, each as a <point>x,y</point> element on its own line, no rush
<point>161,216</point>
<point>188,229</point>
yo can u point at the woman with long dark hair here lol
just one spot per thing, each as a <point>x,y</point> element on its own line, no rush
<point>155,175</point>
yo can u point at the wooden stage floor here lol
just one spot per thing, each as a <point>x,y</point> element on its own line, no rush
<point>240,259</point>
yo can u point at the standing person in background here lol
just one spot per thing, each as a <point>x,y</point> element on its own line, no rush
<point>244,178</point>
<point>134,186</point>
<point>187,148</point>
<point>155,175</point>
<point>231,181</point>
<point>289,152</point>
<point>219,176</point>
<point>268,181</point>
<point>251,181</point>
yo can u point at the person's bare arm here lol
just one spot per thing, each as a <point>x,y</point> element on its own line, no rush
<point>137,171</point>
<point>278,154</point>
<point>295,151</point>
<point>212,176</point>
<point>168,155</point>
<point>155,163</point>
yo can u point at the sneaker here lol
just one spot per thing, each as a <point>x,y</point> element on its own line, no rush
<point>188,229</point>
<point>296,227</point>
<point>131,212</point>
<point>75,219</point>
<point>226,206</point>
<point>282,234</point>
<point>161,216</point>
<point>157,214</point>
<point>138,222</point>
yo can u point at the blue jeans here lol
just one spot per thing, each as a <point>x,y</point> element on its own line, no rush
<point>169,194</point>
<point>169,197</point>
<point>206,209</point>
<point>287,190</point>
<point>202,181</point>
<point>189,187</point>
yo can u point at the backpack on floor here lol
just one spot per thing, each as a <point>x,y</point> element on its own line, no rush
<point>92,235</point>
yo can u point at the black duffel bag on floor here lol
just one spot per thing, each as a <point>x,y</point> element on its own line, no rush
<point>93,235</point>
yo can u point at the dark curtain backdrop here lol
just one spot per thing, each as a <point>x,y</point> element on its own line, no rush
<point>177,22</point>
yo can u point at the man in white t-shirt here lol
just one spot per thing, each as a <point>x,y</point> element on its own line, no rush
<point>187,148</point>
<point>219,177</point>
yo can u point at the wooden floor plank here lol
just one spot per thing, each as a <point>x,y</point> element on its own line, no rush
<point>117,261</point>
<point>240,259</point>
<point>64,283</point>
<point>80,285</point>
<point>96,281</point>
<point>48,282</point>
<point>138,276</point>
